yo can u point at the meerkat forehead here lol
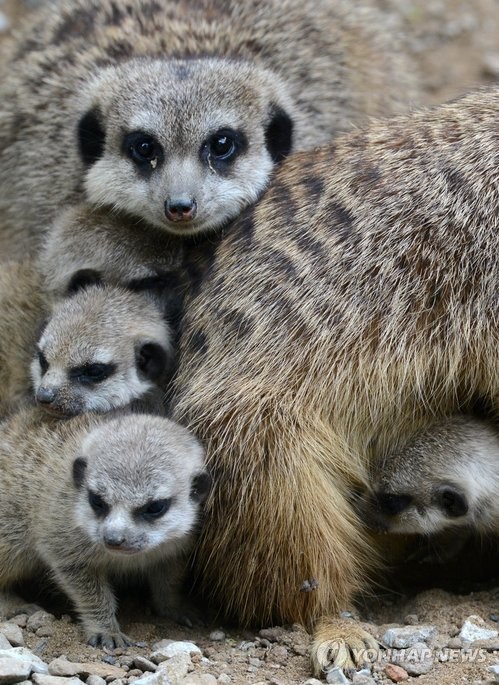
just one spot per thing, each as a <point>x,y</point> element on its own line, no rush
<point>140,449</point>
<point>181,101</point>
<point>98,320</point>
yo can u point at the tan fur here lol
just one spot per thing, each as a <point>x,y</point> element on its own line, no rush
<point>22,309</point>
<point>47,523</point>
<point>355,302</point>
<point>326,64</point>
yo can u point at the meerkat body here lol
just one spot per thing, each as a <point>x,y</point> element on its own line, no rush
<point>177,112</point>
<point>23,307</point>
<point>445,477</point>
<point>103,348</point>
<point>355,302</point>
<point>92,498</point>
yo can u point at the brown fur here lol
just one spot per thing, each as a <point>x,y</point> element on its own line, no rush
<point>341,52</point>
<point>357,301</point>
<point>22,308</point>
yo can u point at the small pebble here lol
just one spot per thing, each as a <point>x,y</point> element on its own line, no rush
<point>4,643</point>
<point>20,620</point>
<point>199,679</point>
<point>134,673</point>
<point>253,661</point>
<point>362,680</point>
<point>173,669</point>
<point>246,645</point>
<point>173,647</point>
<point>224,679</point>
<point>495,672</point>
<point>402,638</point>
<point>45,631</point>
<point>144,664</point>
<point>411,620</point>
<point>346,614</point>
<point>41,679</point>
<point>109,659</point>
<point>39,619</point>
<point>95,680</point>
<point>13,633</point>
<point>272,634</point>
<point>217,636</point>
<point>312,681</point>
<point>13,670</point>
<point>396,673</point>
<point>494,617</point>
<point>279,654</point>
<point>417,660</point>
<point>336,677</point>
<point>474,628</point>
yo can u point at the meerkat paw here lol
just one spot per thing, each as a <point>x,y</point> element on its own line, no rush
<point>110,640</point>
<point>12,605</point>
<point>344,644</point>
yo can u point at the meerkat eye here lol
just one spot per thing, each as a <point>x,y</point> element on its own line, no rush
<point>154,510</point>
<point>97,504</point>
<point>222,147</point>
<point>42,359</point>
<point>92,373</point>
<point>453,502</point>
<point>143,149</point>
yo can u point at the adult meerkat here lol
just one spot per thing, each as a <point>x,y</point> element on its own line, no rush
<point>103,348</point>
<point>354,303</point>
<point>445,477</point>
<point>95,498</point>
<point>177,112</point>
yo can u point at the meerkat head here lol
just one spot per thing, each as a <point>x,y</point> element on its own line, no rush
<point>185,145</point>
<point>139,481</point>
<point>102,348</point>
<point>446,476</point>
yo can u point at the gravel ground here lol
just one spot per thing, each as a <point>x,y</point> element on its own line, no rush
<point>453,637</point>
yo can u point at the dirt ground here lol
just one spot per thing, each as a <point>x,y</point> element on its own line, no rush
<point>455,45</point>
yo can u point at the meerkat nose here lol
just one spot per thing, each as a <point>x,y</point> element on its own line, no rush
<point>114,539</point>
<point>180,209</point>
<point>45,395</point>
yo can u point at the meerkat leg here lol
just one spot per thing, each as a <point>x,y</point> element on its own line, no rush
<point>165,581</point>
<point>95,604</point>
<point>342,643</point>
<point>11,605</point>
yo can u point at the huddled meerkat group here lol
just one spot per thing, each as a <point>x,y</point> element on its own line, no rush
<point>196,247</point>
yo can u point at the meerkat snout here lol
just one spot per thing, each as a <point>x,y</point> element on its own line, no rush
<point>102,348</point>
<point>180,209</point>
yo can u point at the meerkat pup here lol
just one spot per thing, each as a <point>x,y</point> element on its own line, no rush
<point>110,497</point>
<point>357,299</point>
<point>177,113</point>
<point>446,476</point>
<point>104,347</point>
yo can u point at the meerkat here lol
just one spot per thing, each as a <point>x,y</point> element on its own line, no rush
<point>103,348</point>
<point>23,306</point>
<point>445,477</point>
<point>95,498</point>
<point>176,113</point>
<point>355,302</point>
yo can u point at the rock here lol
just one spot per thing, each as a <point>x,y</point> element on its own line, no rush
<point>45,631</point>
<point>396,673</point>
<point>411,620</point>
<point>272,634</point>
<point>279,654</point>
<point>13,670</point>
<point>336,676</point>
<point>489,645</point>
<point>24,654</point>
<point>254,661</point>
<point>474,628</point>
<point>4,23</point>
<point>13,634</point>
<point>494,617</point>
<point>171,648</point>
<point>42,679</point>
<point>455,643</point>
<point>312,681</point>
<point>362,679</point>
<point>417,660</point>
<point>20,620</point>
<point>4,643</point>
<point>402,638</point>
<point>95,680</point>
<point>495,672</point>
<point>199,679</point>
<point>38,620</point>
<point>174,669</point>
<point>246,645</point>
<point>62,667</point>
<point>346,614</point>
<point>144,664</point>
<point>224,679</point>
<point>217,636</point>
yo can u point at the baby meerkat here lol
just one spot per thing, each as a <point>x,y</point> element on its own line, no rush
<point>175,112</point>
<point>93,499</point>
<point>446,476</point>
<point>104,347</point>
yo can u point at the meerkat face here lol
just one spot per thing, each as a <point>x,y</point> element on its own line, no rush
<point>425,510</point>
<point>140,481</point>
<point>185,145</point>
<point>101,349</point>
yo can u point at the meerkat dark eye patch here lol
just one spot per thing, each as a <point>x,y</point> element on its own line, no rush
<point>220,150</point>
<point>151,360</point>
<point>92,373</point>
<point>279,134</point>
<point>154,510</point>
<point>42,360</point>
<point>79,468</point>
<point>84,278</point>
<point>97,503</point>
<point>91,137</point>
<point>391,504</point>
<point>146,153</point>
<point>452,502</point>
<point>201,486</point>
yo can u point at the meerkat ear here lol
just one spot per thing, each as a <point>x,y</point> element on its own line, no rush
<point>91,136</point>
<point>151,359</point>
<point>83,279</point>
<point>201,486</point>
<point>79,468</point>
<point>279,134</point>
<point>452,501</point>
